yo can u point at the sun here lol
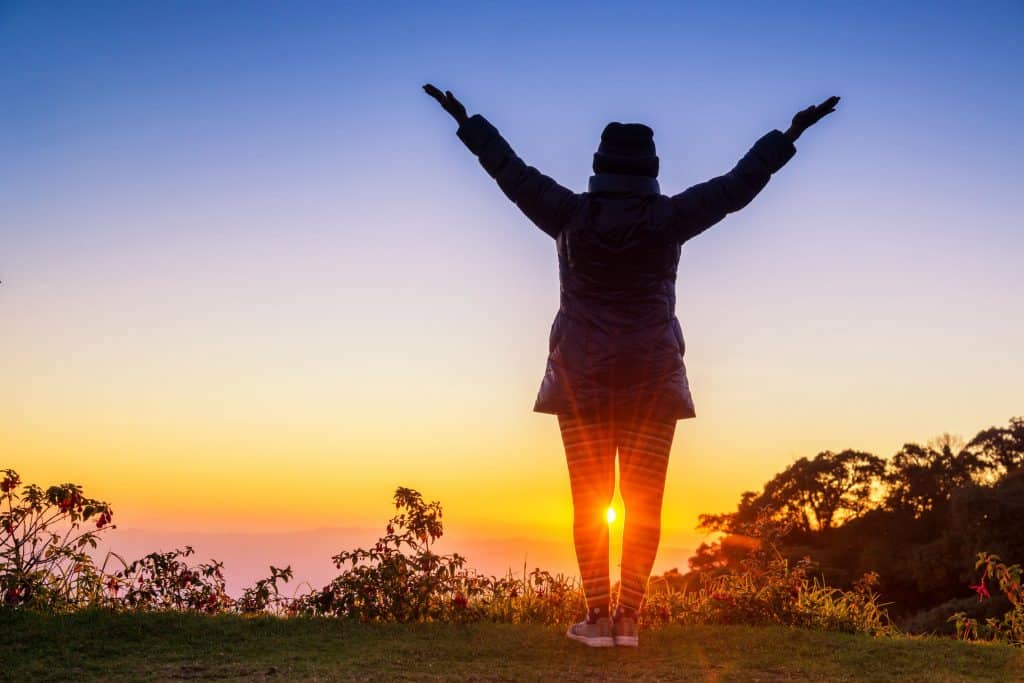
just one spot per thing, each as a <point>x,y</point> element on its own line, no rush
<point>610,515</point>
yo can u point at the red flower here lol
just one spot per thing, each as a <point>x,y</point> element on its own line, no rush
<point>104,519</point>
<point>982,590</point>
<point>459,600</point>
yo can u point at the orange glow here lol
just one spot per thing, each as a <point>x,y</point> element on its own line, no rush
<point>610,515</point>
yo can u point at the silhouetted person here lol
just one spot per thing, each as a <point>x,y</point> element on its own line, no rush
<point>615,375</point>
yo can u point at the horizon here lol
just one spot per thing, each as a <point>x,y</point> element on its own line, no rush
<point>252,281</point>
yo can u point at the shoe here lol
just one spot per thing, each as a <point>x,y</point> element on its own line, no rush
<point>594,631</point>
<point>624,632</point>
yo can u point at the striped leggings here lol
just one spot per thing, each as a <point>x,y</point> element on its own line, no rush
<point>643,447</point>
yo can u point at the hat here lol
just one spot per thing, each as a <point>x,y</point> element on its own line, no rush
<point>628,149</point>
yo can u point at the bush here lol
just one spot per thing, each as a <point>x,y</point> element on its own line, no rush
<point>43,542</point>
<point>1008,628</point>
<point>399,579</point>
<point>936,621</point>
<point>764,589</point>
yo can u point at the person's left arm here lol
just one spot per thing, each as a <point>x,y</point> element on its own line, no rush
<point>701,206</point>
<point>546,203</point>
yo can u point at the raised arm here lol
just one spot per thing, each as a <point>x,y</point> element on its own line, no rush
<point>540,198</point>
<point>701,206</point>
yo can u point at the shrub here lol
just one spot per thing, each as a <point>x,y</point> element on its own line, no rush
<point>764,589</point>
<point>399,579</point>
<point>166,581</point>
<point>43,540</point>
<point>1010,626</point>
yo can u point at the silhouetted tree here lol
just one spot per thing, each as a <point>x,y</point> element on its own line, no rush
<point>921,479</point>
<point>826,488</point>
<point>1002,447</point>
<point>939,505</point>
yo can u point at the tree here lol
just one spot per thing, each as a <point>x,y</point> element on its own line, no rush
<point>922,479</point>
<point>829,487</point>
<point>1002,447</point>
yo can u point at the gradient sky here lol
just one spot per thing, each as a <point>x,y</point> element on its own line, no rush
<point>252,281</point>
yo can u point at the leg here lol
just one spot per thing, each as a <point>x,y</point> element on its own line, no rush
<point>590,454</point>
<point>643,461</point>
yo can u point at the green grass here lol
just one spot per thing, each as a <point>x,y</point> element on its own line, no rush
<point>161,646</point>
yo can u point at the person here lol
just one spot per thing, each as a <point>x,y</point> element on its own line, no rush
<point>615,375</point>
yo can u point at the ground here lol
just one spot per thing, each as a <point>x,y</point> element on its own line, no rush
<point>96,645</point>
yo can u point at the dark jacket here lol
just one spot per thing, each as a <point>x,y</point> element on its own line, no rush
<point>616,346</point>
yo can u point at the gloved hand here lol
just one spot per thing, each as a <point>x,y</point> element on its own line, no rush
<point>806,118</point>
<point>448,102</point>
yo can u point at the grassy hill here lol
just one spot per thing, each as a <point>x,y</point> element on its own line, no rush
<point>96,645</point>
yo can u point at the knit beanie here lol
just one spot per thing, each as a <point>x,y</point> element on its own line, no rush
<point>628,149</point>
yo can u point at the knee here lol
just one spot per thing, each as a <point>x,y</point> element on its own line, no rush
<point>644,510</point>
<point>642,496</point>
<point>593,496</point>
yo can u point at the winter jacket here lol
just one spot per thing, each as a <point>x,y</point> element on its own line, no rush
<point>616,346</point>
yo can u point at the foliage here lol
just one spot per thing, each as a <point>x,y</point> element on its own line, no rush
<point>401,579</point>
<point>918,521</point>
<point>1008,628</point>
<point>765,588</point>
<point>1002,447</point>
<point>44,536</point>
<point>167,581</point>
<point>265,595</point>
<point>922,479</point>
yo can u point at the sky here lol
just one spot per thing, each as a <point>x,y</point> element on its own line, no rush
<point>252,282</point>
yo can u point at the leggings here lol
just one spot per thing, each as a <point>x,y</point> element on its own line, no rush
<point>643,447</point>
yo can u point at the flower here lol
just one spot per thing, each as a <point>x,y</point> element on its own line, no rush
<point>982,590</point>
<point>459,601</point>
<point>104,519</point>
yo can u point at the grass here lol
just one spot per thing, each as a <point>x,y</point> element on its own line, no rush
<point>163,646</point>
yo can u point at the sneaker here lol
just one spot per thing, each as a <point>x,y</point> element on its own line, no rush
<point>624,632</point>
<point>594,631</point>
